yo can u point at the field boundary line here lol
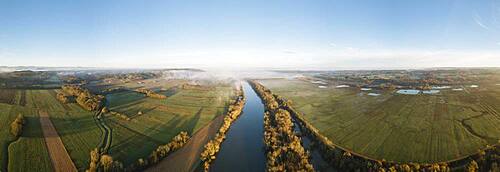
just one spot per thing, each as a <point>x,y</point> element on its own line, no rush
<point>61,160</point>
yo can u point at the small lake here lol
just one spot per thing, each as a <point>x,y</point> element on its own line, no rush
<point>441,87</point>
<point>373,94</point>
<point>243,149</point>
<point>408,92</point>
<point>430,91</point>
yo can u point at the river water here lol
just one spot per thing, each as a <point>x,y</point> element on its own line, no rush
<point>243,149</point>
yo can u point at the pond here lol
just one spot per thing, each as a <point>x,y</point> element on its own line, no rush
<point>373,94</point>
<point>342,86</point>
<point>408,92</point>
<point>441,87</point>
<point>430,91</point>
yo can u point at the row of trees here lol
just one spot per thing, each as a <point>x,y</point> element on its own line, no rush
<point>284,149</point>
<point>120,115</point>
<point>16,127</point>
<point>161,152</point>
<point>151,93</point>
<point>64,98</point>
<point>103,162</point>
<point>84,98</point>
<point>213,146</point>
<point>487,159</point>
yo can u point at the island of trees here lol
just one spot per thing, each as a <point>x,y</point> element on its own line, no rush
<point>284,149</point>
<point>151,93</point>
<point>83,96</point>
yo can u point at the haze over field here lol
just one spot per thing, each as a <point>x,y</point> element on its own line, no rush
<point>228,34</point>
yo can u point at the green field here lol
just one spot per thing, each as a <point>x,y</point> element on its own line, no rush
<point>401,128</point>
<point>74,125</point>
<point>29,152</point>
<point>161,119</point>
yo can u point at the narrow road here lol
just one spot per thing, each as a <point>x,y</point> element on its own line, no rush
<point>60,158</point>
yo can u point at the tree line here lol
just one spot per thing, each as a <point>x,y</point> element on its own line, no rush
<point>150,93</point>
<point>283,147</point>
<point>103,162</point>
<point>213,146</point>
<point>84,98</point>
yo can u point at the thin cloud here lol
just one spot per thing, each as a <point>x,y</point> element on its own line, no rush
<point>479,22</point>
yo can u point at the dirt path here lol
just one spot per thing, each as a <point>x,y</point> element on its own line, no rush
<point>187,158</point>
<point>60,157</point>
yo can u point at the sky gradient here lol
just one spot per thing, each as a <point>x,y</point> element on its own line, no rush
<point>280,34</point>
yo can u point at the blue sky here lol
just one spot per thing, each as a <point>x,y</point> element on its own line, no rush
<point>280,34</point>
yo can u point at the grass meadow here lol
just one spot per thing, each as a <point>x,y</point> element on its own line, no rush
<point>401,128</point>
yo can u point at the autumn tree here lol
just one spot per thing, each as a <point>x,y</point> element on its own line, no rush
<point>94,160</point>
<point>107,162</point>
<point>473,166</point>
<point>16,127</point>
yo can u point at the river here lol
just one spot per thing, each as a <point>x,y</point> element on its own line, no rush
<point>243,149</point>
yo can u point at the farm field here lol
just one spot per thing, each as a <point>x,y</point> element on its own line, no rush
<point>159,121</point>
<point>29,152</point>
<point>10,107</point>
<point>155,121</point>
<point>75,126</point>
<point>400,128</point>
<point>5,136</point>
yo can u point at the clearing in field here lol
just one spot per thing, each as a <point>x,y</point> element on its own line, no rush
<point>402,128</point>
